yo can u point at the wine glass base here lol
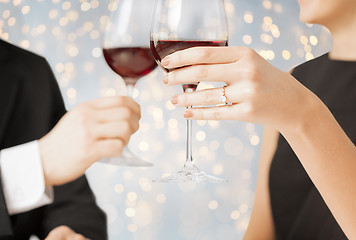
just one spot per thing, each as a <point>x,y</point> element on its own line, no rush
<point>191,174</point>
<point>128,159</point>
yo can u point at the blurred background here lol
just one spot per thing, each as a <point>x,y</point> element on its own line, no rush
<point>68,34</point>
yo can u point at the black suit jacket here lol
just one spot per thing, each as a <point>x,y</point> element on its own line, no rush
<point>30,106</point>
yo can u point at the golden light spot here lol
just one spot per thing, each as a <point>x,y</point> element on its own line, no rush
<point>132,196</point>
<point>275,31</point>
<point>25,44</point>
<point>95,34</point>
<point>94,4</point>
<point>172,123</point>
<point>304,40</point>
<point>66,5</point>
<point>243,208</point>
<point>161,198</point>
<point>6,14</point>
<point>59,67</point>
<point>309,56</point>
<point>25,9</point>
<point>73,51</point>
<point>69,67</point>
<point>130,212</point>
<point>307,48</point>
<point>72,16</point>
<point>112,6</point>
<point>85,6</point>
<point>53,14</point>
<point>248,17</point>
<point>247,39</point>
<point>71,93</point>
<point>63,21</point>
<point>267,4</point>
<point>143,146</point>
<point>41,28</point>
<point>235,215</point>
<point>201,122</point>
<point>88,26</point>
<point>313,40</point>
<point>11,22</point>
<point>267,20</point>
<point>286,54</point>
<point>200,136</point>
<point>266,38</point>
<point>218,169</point>
<point>213,205</point>
<point>254,140</point>
<point>96,52</point>
<point>16,2</point>
<point>25,29</point>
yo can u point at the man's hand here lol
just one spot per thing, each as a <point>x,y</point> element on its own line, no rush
<point>64,233</point>
<point>91,131</point>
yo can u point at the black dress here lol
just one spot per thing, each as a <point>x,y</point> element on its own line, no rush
<point>298,210</point>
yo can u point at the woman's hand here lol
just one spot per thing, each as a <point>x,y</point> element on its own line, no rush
<point>91,131</point>
<point>257,91</point>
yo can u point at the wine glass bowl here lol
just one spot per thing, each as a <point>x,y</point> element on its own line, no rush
<point>127,52</point>
<point>182,24</point>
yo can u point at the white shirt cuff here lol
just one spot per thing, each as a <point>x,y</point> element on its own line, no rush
<point>22,178</point>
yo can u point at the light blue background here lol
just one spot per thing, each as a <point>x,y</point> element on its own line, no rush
<point>68,34</point>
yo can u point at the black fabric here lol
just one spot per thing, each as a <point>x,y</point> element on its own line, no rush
<point>299,212</point>
<point>30,106</point>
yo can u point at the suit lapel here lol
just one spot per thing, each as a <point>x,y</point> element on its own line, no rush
<point>9,86</point>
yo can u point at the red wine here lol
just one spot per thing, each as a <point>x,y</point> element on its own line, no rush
<point>162,48</point>
<point>130,62</point>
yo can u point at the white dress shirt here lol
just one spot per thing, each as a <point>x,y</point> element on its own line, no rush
<point>22,178</point>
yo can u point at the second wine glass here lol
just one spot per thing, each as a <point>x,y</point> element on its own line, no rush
<point>127,52</point>
<point>178,25</point>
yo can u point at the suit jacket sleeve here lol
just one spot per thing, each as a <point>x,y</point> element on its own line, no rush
<point>32,106</point>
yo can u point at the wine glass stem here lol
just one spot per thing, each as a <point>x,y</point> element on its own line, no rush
<point>189,159</point>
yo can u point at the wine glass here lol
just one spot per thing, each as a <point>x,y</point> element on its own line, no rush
<point>126,50</point>
<point>178,25</point>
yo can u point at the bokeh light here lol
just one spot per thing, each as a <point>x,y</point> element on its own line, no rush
<point>69,33</point>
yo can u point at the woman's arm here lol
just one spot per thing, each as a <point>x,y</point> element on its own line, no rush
<point>260,93</point>
<point>261,222</point>
<point>329,158</point>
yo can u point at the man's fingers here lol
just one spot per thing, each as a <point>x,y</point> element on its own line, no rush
<point>107,148</point>
<point>204,55</point>
<point>115,102</point>
<point>117,114</point>
<point>121,129</point>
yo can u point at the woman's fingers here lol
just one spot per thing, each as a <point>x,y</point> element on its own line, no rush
<point>204,55</point>
<point>226,112</point>
<point>208,97</point>
<point>200,73</point>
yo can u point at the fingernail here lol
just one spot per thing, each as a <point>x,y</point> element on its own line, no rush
<point>165,79</point>
<point>174,100</point>
<point>165,62</point>
<point>188,114</point>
